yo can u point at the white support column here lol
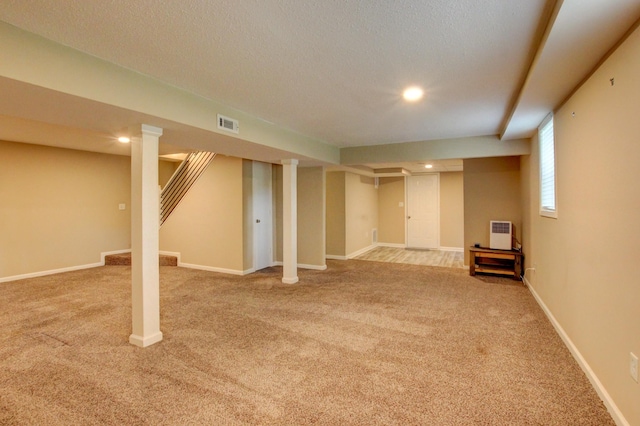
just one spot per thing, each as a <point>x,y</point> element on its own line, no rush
<point>290,221</point>
<point>145,240</point>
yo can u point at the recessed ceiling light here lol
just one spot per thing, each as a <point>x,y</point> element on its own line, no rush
<point>413,94</point>
<point>428,166</point>
<point>124,139</point>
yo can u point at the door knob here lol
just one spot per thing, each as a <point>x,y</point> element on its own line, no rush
<point>408,217</point>
<point>257,220</point>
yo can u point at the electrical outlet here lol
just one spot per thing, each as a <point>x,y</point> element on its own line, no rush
<point>633,366</point>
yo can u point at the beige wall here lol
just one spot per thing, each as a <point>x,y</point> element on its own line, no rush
<point>335,214</point>
<point>584,258</point>
<point>59,207</point>
<point>207,226</point>
<point>165,171</point>
<point>311,216</point>
<point>351,212</point>
<point>452,210</point>
<point>391,214</point>
<point>361,212</point>
<point>491,192</point>
<point>391,210</point>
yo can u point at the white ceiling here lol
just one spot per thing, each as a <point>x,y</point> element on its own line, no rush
<point>334,69</point>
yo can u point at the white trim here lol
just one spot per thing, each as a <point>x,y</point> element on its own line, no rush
<point>361,251</point>
<point>304,266</point>
<point>205,267</point>
<point>391,245</point>
<point>335,257</point>
<point>617,415</point>
<point>314,267</point>
<point>143,342</point>
<point>553,214</point>
<point>261,215</point>
<point>544,211</point>
<point>456,249</point>
<point>51,272</point>
<point>215,269</point>
<point>62,270</point>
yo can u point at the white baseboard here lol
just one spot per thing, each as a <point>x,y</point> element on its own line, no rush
<point>314,267</point>
<point>51,272</point>
<point>361,251</point>
<point>205,267</point>
<point>456,249</point>
<point>214,269</point>
<point>391,245</point>
<point>304,266</point>
<point>62,270</point>
<point>143,342</point>
<point>616,414</point>
<point>335,257</point>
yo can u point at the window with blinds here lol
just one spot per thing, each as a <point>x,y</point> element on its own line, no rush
<point>547,168</point>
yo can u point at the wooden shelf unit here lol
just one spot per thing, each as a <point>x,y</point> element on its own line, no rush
<point>499,262</point>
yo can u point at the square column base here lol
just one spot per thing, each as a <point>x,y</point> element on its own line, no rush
<point>143,342</point>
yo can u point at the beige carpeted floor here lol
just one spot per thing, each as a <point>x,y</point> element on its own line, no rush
<point>362,343</point>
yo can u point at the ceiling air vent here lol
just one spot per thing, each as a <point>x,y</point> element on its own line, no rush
<point>228,124</point>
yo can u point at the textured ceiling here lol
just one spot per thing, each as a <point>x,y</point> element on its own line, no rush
<point>579,38</point>
<point>330,69</point>
<point>334,70</point>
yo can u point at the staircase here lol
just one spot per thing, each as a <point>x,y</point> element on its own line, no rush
<point>189,171</point>
<point>182,180</point>
<point>125,259</point>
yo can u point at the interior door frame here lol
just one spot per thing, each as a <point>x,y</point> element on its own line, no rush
<point>406,208</point>
<point>256,215</point>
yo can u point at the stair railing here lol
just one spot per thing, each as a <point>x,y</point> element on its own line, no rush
<point>189,171</point>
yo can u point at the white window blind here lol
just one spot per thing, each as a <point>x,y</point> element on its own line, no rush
<point>547,168</point>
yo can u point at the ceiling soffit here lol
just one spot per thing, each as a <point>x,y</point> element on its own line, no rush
<point>331,70</point>
<point>334,72</point>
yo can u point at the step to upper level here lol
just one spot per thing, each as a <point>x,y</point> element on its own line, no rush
<point>125,259</point>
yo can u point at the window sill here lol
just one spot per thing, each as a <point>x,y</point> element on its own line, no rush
<point>553,214</point>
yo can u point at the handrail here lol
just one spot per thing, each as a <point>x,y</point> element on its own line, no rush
<point>189,171</point>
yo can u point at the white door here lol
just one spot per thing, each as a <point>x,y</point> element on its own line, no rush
<point>423,219</point>
<point>262,216</point>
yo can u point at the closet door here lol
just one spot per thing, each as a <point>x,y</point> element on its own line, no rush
<point>423,219</point>
<point>262,216</point>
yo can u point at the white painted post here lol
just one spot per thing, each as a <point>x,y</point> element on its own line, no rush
<point>145,241</point>
<point>290,221</point>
